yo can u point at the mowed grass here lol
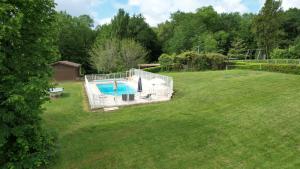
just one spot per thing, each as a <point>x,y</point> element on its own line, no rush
<point>217,119</point>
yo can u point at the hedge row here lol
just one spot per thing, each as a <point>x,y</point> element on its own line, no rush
<point>282,68</point>
<point>192,61</point>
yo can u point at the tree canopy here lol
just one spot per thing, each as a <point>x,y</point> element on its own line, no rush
<point>27,48</point>
<point>75,38</point>
<point>267,24</point>
<point>133,27</point>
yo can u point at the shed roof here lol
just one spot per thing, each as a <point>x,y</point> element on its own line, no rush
<point>68,63</point>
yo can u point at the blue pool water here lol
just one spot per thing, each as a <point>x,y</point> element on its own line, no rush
<point>108,89</point>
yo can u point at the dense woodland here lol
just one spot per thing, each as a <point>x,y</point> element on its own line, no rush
<point>33,35</point>
<point>273,32</point>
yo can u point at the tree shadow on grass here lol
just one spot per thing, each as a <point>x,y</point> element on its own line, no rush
<point>65,95</point>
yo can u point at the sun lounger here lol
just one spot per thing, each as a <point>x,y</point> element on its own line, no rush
<point>55,92</point>
<point>148,96</point>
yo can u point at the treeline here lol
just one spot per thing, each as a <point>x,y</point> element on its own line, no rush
<point>234,34</point>
<point>129,40</point>
<point>122,44</point>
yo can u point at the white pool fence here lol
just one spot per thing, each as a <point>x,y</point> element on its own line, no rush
<point>162,92</point>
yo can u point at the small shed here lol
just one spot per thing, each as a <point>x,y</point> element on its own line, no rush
<point>66,70</point>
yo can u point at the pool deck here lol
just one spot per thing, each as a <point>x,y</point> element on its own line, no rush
<point>158,94</point>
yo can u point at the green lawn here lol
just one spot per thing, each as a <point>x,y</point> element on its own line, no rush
<point>217,119</point>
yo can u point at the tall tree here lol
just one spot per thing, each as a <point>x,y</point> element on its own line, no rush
<point>245,33</point>
<point>27,49</point>
<point>132,53</point>
<point>238,49</point>
<point>125,27</point>
<point>164,32</point>
<point>267,25</point>
<point>76,38</point>
<point>120,24</point>
<point>115,55</point>
<point>141,32</point>
<point>291,26</point>
<point>105,56</point>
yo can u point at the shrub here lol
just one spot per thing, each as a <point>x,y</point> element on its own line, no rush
<point>186,58</point>
<point>217,61</point>
<point>200,62</point>
<point>282,68</point>
<point>193,61</point>
<point>153,69</point>
<point>280,54</point>
<point>166,61</point>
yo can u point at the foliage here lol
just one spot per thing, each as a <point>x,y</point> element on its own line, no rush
<point>295,49</point>
<point>105,57</point>
<point>192,61</point>
<point>119,25</point>
<point>293,52</point>
<point>27,39</point>
<point>291,26</point>
<point>216,61</point>
<point>208,43</point>
<point>115,55</point>
<point>75,39</point>
<point>280,54</point>
<point>123,26</point>
<point>141,32</point>
<point>132,53</point>
<point>166,61</point>
<point>205,30</point>
<point>282,68</point>
<point>223,42</point>
<point>238,49</point>
<point>164,32</point>
<point>267,25</point>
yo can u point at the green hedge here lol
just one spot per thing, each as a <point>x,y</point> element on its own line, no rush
<point>192,61</point>
<point>282,68</point>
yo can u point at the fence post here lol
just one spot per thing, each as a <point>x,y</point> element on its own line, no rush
<point>260,66</point>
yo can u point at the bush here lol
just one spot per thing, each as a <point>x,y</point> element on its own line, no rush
<point>153,69</point>
<point>217,61</point>
<point>280,54</point>
<point>192,61</point>
<point>282,68</point>
<point>185,58</point>
<point>200,62</point>
<point>166,61</point>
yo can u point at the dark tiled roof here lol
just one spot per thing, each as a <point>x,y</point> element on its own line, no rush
<point>68,63</point>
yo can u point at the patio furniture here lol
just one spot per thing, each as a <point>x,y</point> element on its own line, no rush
<point>124,97</point>
<point>131,97</point>
<point>56,92</point>
<point>148,96</point>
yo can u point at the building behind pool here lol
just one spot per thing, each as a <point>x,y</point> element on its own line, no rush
<point>121,89</point>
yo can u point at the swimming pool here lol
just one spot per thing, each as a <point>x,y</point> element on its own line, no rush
<point>108,89</point>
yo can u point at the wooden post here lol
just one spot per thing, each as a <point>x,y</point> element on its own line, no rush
<point>260,66</point>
